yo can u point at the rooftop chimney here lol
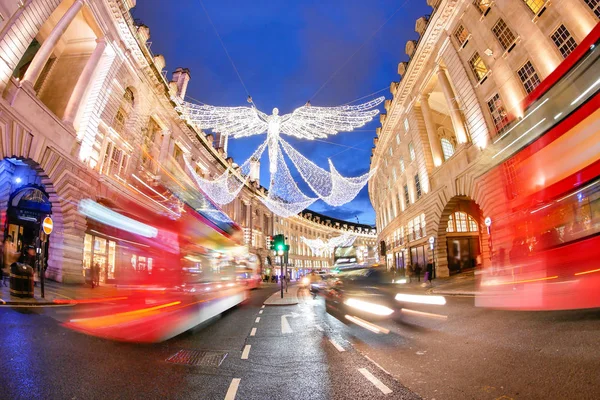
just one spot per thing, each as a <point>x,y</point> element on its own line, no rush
<point>179,82</point>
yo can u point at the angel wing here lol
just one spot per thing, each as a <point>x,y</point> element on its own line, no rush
<point>231,121</point>
<point>308,122</point>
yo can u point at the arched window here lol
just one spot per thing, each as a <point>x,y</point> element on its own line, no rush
<point>461,222</point>
<point>447,148</point>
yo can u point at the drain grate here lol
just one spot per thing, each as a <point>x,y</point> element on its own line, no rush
<point>198,358</point>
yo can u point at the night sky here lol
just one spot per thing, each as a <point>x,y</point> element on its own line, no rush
<point>285,51</point>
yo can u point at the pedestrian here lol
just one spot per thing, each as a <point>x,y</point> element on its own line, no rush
<point>9,256</point>
<point>418,272</point>
<point>95,270</point>
<point>429,272</point>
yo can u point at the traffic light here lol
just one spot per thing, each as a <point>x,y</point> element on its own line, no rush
<point>270,243</point>
<point>278,243</point>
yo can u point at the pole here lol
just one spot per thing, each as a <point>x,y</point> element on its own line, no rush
<point>281,271</point>
<point>39,259</point>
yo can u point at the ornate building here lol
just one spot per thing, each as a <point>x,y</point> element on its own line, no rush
<point>474,64</point>
<point>86,113</point>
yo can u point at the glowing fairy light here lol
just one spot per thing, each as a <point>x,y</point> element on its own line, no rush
<point>318,246</point>
<point>306,122</point>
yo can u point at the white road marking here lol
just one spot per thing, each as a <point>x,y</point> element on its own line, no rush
<point>257,320</point>
<point>337,346</point>
<point>253,332</point>
<point>285,325</point>
<point>263,306</point>
<point>260,312</point>
<point>233,387</point>
<point>319,328</point>
<point>378,384</point>
<point>246,352</point>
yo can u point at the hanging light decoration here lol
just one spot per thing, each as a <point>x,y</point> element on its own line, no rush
<point>318,246</point>
<point>306,122</point>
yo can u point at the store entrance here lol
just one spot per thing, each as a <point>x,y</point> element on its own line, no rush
<point>27,207</point>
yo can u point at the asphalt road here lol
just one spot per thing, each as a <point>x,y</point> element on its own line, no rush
<point>473,354</point>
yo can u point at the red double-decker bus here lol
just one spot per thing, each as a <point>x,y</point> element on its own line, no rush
<point>544,235</point>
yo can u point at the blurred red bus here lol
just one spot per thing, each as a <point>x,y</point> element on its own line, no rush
<point>544,237</point>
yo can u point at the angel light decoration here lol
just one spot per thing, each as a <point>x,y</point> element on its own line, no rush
<point>307,122</point>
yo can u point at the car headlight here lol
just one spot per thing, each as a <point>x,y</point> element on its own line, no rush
<point>365,306</point>
<point>305,281</point>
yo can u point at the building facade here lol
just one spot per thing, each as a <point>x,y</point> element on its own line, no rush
<point>312,225</point>
<point>472,67</point>
<point>87,113</point>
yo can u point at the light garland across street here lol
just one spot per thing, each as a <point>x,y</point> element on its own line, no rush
<point>307,122</point>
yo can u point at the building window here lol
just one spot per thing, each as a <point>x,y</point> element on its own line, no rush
<point>594,5</point>
<point>478,67</point>
<point>400,202</point>
<point>461,222</point>
<point>385,161</point>
<point>397,138</point>
<point>447,148</point>
<point>402,168</point>
<point>406,196</point>
<point>498,112</point>
<point>461,35</point>
<point>564,41</point>
<point>394,174</point>
<point>482,5</point>
<point>114,161</point>
<point>503,34</point>
<point>406,126</point>
<point>391,152</point>
<point>529,78</point>
<point>417,186</point>
<point>535,5</point>
<point>411,151</point>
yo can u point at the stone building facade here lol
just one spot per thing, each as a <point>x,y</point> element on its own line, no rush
<point>86,113</point>
<point>473,65</point>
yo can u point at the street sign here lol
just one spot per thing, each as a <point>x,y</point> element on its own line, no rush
<point>47,225</point>
<point>488,221</point>
<point>431,240</point>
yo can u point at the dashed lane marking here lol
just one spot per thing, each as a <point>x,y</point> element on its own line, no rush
<point>253,332</point>
<point>337,346</point>
<point>246,352</point>
<point>260,312</point>
<point>257,320</point>
<point>319,328</point>
<point>263,306</point>
<point>378,384</point>
<point>233,387</point>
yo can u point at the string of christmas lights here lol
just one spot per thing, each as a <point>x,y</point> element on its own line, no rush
<point>318,246</point>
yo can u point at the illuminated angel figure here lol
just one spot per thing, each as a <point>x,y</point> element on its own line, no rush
<point>306,122</point>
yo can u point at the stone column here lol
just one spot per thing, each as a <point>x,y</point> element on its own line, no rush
<point>457,121</point>
<point>43,54</point>
<point>434,141</point>
<point>165,147</point>
<point>83,82</point>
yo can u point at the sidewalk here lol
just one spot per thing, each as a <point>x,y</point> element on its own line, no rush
<point>58,293</point>
<point>462,284</point>
<point>289,299</point>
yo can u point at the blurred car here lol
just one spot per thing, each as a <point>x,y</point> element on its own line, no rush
<point>358,295</point>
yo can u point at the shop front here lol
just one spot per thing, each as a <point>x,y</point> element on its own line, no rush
<point>418,257</point>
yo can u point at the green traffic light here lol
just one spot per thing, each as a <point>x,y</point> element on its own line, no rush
<point>280,247</point>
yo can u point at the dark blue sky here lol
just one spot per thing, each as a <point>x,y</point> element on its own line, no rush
<point>285,51</point>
